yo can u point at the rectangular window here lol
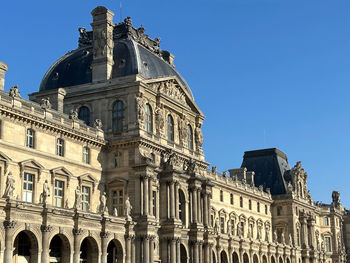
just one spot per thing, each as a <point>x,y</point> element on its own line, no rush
<point>233,227</point>
<point>154,204</point>
<point>231,199</point>
<point>28,181</point>
<point>250,204</point>
<point>118,201</point>
<point>327,240</point>
<point>222,224</point>
<point>325,221</point>
<point>85,198</point>
<point>58,193</point>
<point>221,196</point>
<point>265,209</point>
<point>59,147</point>
<point>258,207</point>
<point>30,138</point>
<point>86,155</point>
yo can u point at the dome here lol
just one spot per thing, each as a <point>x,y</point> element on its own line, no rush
<point>134,53</point>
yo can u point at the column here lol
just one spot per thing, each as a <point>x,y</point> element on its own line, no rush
<point>304,231</point>
<point>200,252</point>
<point>209,208</point>
<point>195,252</point>
<point>150,196</point>
<point>128,249</point>
<point>9,225</point>
<point>207,252</point>
<point>146,249</point>
<point>133,250</point>
<point>76,255</point>
<point>141,194</point>
<point>173,250</point>
<point>145,196</point>
<point>151,249</point>
<point>104,236</point>
<point>199,216</point>
<point>178,251</point>
<point>172,201</point>
<point>45,243</point>
<point>312,234</point>
<point>194,205</point>
<point>176,200</point>
<point>205,209</point>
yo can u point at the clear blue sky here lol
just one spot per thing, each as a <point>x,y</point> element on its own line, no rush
<point>266,73</point>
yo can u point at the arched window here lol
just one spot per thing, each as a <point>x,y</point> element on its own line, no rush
<point>84,114</point>
<point>118,114</point>
<point>189,137</point>
<point>149,118</point>
<point>170,128</point>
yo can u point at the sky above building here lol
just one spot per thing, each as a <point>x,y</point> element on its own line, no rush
<point>266,73</point>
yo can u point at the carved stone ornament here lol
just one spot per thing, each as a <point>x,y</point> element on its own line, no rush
<point>103,42</point>
<point>128,208</point>
<point>78,231</point>
<point>182,129</point>
<point>45,103</point>
<point>104,234</point>
<point>77,202</point>
<point>45,194</point>
<point>47,228</point>
<point>140,108</point>
<point>98,124</point>
<point>84,39</point>
<point>199,136</point>
<point>103,205</point>
<point>191,167</point>
<point>336,198</point>
<point>171,162</point>
<point>9,224</point>
<point>73,114</point>
<point>14,92</point>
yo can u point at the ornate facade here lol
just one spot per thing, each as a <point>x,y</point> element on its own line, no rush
<point>105,164</point>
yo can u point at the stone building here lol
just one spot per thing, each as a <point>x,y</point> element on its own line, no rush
<point>105,164</point>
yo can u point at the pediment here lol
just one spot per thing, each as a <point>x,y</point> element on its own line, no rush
<point>32,164</point>
<point>222,212</point>
<point>4,157</point>
<point>233,215</point>
<point>88,178</point>
<point>62,171</point>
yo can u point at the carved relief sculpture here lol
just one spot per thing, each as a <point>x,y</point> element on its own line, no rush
<point>140,109</point>
<point>199,137</point>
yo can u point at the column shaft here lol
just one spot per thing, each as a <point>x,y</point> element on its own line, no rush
<point>150,196</point>
<point>195,253</point>
<point>194,206</point>
<point>133,251</point>
<point>104,250</point>
<point>76,255</point>
<point>45,247</point>
<point>145,196</point>
<point>128,249</point>
<point>151,249</point>
<point>199,215</point>
<point>173,251</point>
<point>176,200</point>
<point>146,250</point>
<point>205,209</point>
<point>172,201</point>
<point>8,246</point>
<point>178,252</point>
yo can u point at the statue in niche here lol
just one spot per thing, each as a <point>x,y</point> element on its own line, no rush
<point>283,240</point>
<point>77,202</point>
<point>291,240</point>
<point>275,238</point>
<point>46,193</point>
<point>159,118</point>
<point>199,136</point>
<point>140,106</point>
<point>258,236</point>
<point>267,235</point>
<point>182,129</point>
<point>229,228</point>
<point>217,226</point>
<point>10,186</point>
<point>289,188</point>
<point>103,200</point>
<point>240,231</point>
<point>128,208</point>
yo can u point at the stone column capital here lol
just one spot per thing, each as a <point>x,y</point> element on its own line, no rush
<point>77,231</point>
<point>8,224</point>
<point>46,228</point>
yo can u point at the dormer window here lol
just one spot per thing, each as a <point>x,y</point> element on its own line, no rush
<point>118,114</point>
<point>30,138</point>
<point>60,147</point>
<point>84,114</point>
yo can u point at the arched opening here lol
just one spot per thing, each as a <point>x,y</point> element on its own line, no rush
<point>264,259</point>
<point>223,257</point>
<point>245,258</point>
<point>213,257</point>
<point>273,259</point>
<point>183,253</point>
<point>255,259</point>
<point>149,118</point>
<point>182,207</point>
<point>25,248</point>
<point>235,258</point>
<point>59,249</point>
<point>288,260</point>
<point>84,114</point>
<point>89,250</point>
<point>114,252</point>
<point>280,260</point>
<point>118,114</point>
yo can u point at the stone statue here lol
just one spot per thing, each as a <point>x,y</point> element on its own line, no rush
<point>229,228</point>
<point>213,170</point>
<point>98,124</point>
<point>240,230</point>
<point>182,129</point>
<point>289,188</point>
<point>140,105</point>
<point>336,198</point>
<point>115,211</point>
<point>84,38</point>
<point>290,240</point>
<point>283,240</point>
<point>10,186</point>
<point>103,200</point>
<point>258,236</point>
<point>14,92</point>
<point>67,206</point>
<point>73,114</point>
<point>275,239</point>
<point>45,103</point>
<point>224,174</point>
<point>128,208</point>
<point>46,192</point>
<point>199,136</point>
<point>77,202</point>
<point>267,235</point>
<point>159,118</point>
<point>217,226</point>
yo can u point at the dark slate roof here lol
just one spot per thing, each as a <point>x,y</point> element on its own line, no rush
<point>269,166</point>
<point>134,53</point>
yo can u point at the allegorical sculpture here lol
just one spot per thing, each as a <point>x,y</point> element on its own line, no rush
<point>10,186</point>
<point>103,201</point>
<point>46,193</point>
<point>77,201</point>
<point>128,208</point>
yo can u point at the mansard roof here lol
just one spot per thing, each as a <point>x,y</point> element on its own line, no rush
<point>269,166</point>
<point>134,53</point>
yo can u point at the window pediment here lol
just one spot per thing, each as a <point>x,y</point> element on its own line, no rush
<point>31,164</point>
<point>61,171</point>
<point>87,178</point>
<point>4,158</point>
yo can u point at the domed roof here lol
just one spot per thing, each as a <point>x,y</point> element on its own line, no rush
<point>134,53</point>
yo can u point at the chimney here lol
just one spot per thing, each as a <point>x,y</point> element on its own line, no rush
<point>3,69</point>
<point>103,44</point>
